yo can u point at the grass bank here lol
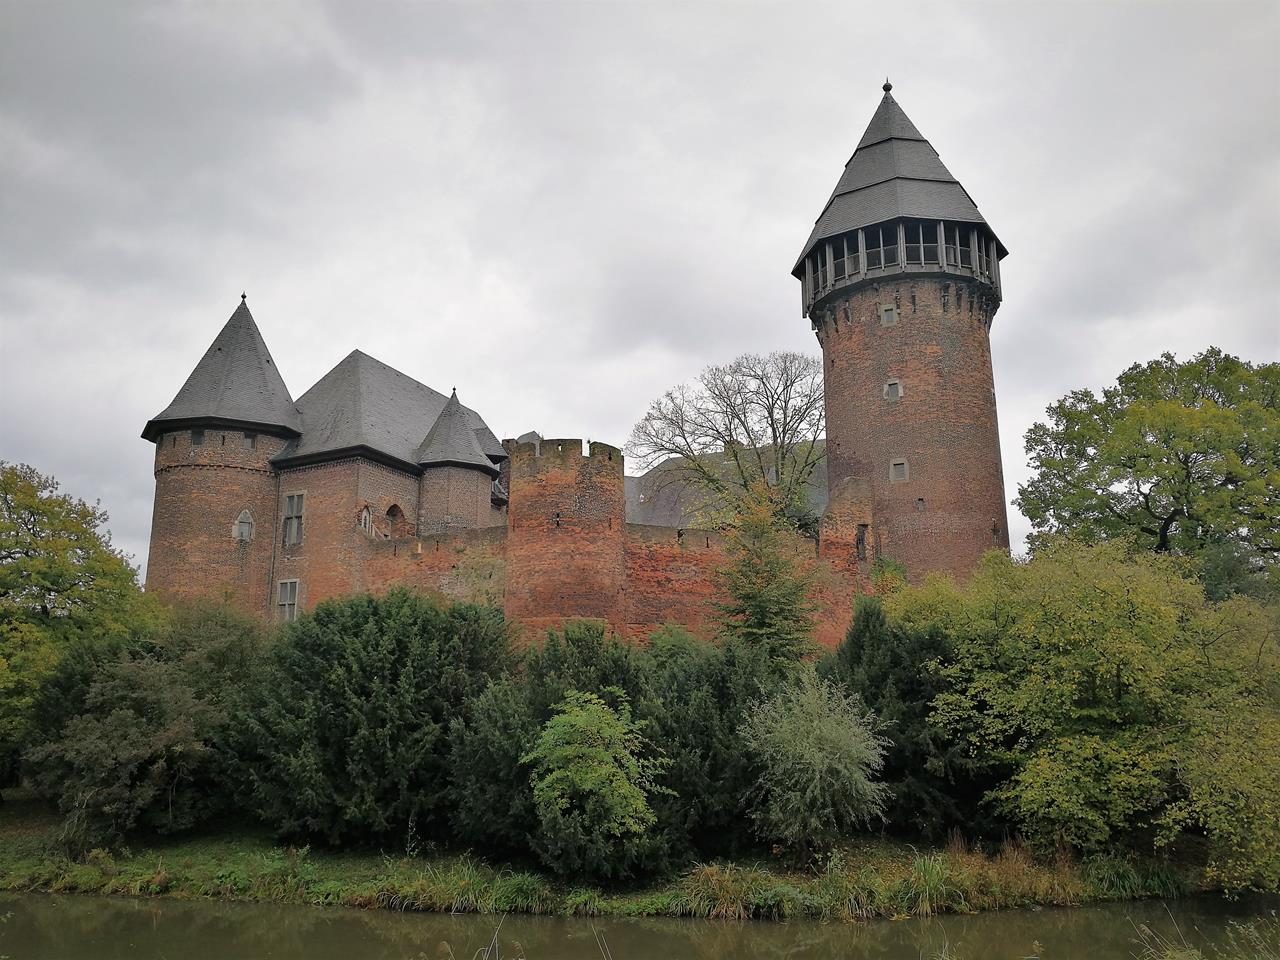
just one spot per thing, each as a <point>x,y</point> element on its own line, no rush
<point>869,880</point>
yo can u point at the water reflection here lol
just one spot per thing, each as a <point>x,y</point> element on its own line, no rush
<point>101,928</point>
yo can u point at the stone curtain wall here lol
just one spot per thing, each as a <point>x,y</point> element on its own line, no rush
<point>543,569</point>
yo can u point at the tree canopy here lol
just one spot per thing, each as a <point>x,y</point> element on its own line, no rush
<point>60,580</point>
<point>759,419</point>
<point>1184,457</point>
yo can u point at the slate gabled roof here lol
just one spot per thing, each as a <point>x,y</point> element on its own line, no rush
<point>363,404</point>
<point>894,172</point>
<point>235,382</point>
<point>452,441</point>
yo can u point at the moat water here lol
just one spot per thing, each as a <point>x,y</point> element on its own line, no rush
<point>37,927</point>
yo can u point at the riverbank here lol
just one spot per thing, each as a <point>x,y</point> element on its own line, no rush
<point>869,880</point>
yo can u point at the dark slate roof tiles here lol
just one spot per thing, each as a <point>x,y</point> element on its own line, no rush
<point>452,441</point>
<point>893,173</point>
<point>363,402</point>
<point>236,380</point>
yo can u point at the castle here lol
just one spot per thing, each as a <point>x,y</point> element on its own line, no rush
<point>372,479</point>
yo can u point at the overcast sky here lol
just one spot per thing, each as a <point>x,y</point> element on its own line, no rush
<point>562,209</point>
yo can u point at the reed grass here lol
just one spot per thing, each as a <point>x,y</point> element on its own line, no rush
<point>868,880</point>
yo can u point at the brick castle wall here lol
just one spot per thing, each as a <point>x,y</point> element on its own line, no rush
<point>565,553</point>
<point>951,508</point>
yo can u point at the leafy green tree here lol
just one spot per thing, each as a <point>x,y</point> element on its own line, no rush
<point>593,774</point>
<point>1180,456</point>
<point>1100,685</point>
<point>765,585</point>
<point>348,737</point>
<point>148,747</point>
<point>817,750</point>
<point>61,582</point>
<point>896,672</point>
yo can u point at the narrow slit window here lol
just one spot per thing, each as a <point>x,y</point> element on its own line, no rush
<point>898,471</point>
<point>366,520</point>
<point>287,600</point>
<point>861,542</point>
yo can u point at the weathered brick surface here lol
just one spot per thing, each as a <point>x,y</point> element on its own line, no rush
<point>456,498</point>
<point>200,493</point>
<point>951,508</point>
<point>670,578</point>
<point>565,535</point>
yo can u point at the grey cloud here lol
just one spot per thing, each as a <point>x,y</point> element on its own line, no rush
<point>564,209</point>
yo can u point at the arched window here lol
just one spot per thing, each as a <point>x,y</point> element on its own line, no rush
<point>243,529</point>
<point>366,520</point>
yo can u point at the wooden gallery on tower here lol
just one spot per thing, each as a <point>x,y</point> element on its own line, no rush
<point>371,479</point>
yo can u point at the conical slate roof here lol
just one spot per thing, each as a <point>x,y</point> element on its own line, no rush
<point>365,405</point>
<point>235,382</point>
<point>452,441</point>
<point>894,172</point>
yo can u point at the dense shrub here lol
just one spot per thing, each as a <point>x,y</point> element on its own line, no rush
<point>593,774</point>
<point>1120,708</point>
<point>817,751</point>
<point>896,671</point>
<point>147,746</point>
<point>348,735</point>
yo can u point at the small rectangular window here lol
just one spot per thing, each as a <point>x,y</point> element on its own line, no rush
<point>251,441</point>
<point>197,438</point>
<point>892,390</point>
<point>293,519</point>
<point>888,315</point>
<point>861,542</point>
<point>287,600</point>
<point>898,471</point>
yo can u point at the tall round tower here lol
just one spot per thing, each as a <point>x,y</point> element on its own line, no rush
<point>901,279</point>
<point>215,523</point>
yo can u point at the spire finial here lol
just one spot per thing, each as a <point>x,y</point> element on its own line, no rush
<point>887,85</point>
<point>455,391</point>
<point>243,297</point>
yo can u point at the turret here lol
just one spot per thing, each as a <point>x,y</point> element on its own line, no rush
<point>457,485</point>
<point>900,279</point>
<point>214,522</point>
<point>565,534</point>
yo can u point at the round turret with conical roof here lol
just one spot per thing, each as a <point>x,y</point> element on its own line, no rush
<point>215,515</point>
<point>900,279</point>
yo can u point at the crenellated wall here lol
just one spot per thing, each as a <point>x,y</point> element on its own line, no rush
<point>563,551</point>
<point>565,533</point>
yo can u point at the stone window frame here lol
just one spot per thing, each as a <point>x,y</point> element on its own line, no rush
<point>893,394</point>
<point>893,470</point>
<point>238,529</point>
<point>888,315</point>
<point>365,520</point>
<point>287,599</point>
<point>292,526</point>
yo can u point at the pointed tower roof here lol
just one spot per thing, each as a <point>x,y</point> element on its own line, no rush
<point>236,383</point>
<point>894,172</point>
<point>452,441</point>
<point>365,406</point>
